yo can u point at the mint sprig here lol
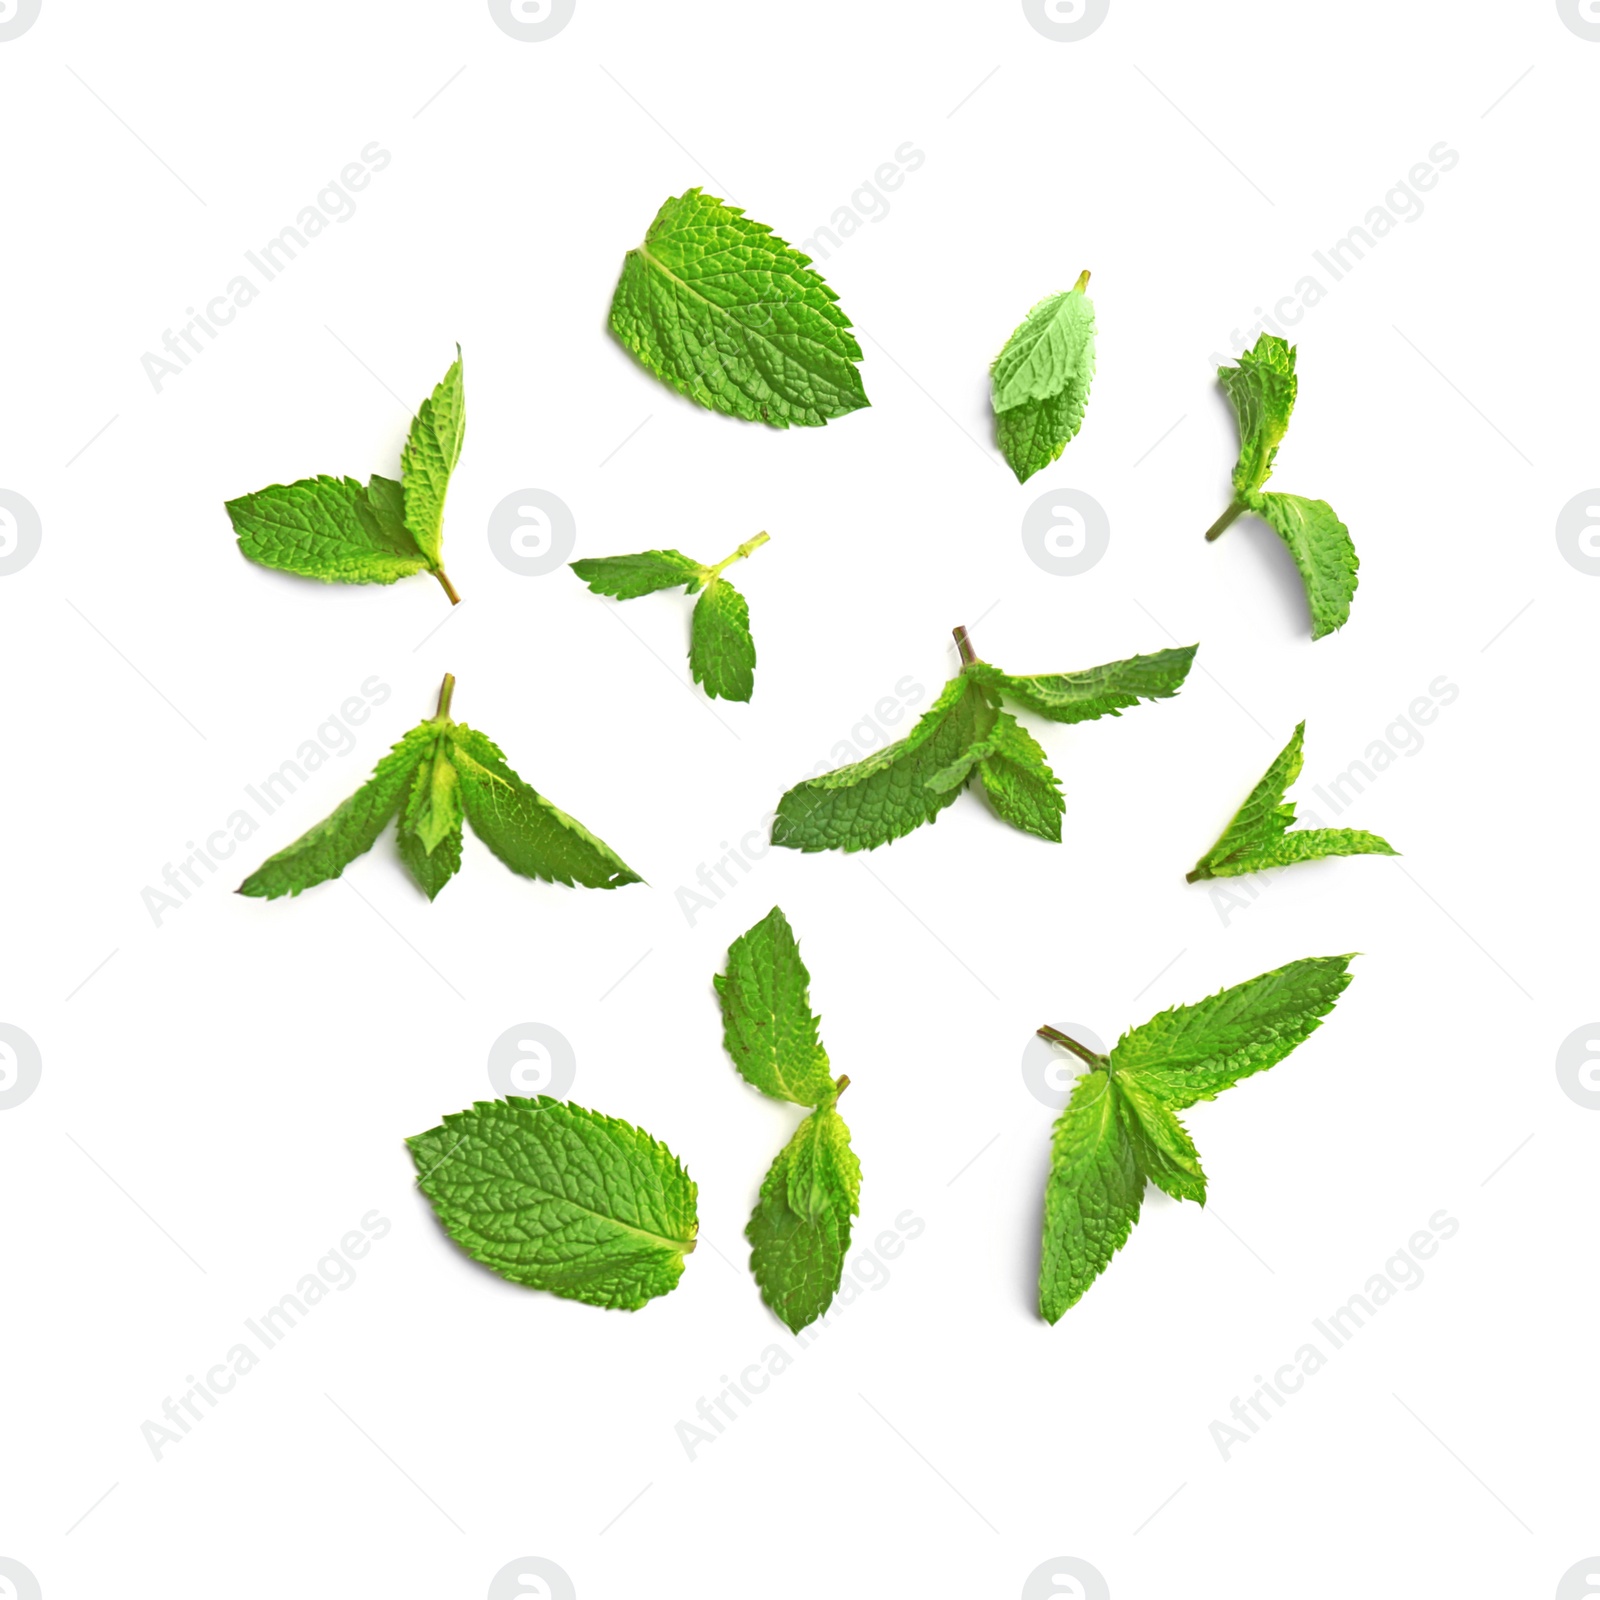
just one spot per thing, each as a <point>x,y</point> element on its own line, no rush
<point>341,531</point>
<point>1259,835</point>
<point>558,1198</point>
<point>967,736</point>
<point>799,1232</point>
<point>1120,1130</point>
<point>1262,391</point>
<point>442,774</point>
<point>722,652</point>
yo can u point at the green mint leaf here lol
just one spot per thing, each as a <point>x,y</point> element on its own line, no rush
<point>338,531</point>
<point>432,449</point>
<point>430,825</point>
<point>1262,391</point>
<point>881,799</point>
<point>967,734</point>
<point>1017,782</point>
<point>722,654</point>
<point>1119,1129</point>
<point>520,826</point>
<point>555,1197</point>
<point>333,529</point>
<point>799,1232</point>
<point>1161,1144</point>
<point>1091,1198</point>
<point>1257,837</point>
<point>1322,550</point>
<point>327,849</point>
<point>723,311</point>
<point>1096,691</point>
<point>628,577</point>
<point>440,773</point>
<point>1039,384</point>
<point>768,1025</point>
<point>1193,1053</point>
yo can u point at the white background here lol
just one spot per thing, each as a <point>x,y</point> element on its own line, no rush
<point>224,1095</point>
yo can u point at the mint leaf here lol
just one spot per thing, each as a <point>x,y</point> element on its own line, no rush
<point>1257,837</point>
<point>1120,1129</point>
<point>1262,391</point>
<point>1097,691</point>
<point>555,1197</point>
<point>440,773</point>
<point>337,531</point>
<point>722,653</point>
<point>433,447</point>
<point>1193,1053</point>
<point>799,1232</point>
<point>767,1022</point>
<point>327,849</point>
<point>1039,384</point>
<point>329,528</point>
<point>723,311</point>
<point>628,577</point>
<point>1322,550</point>
<point>881,799</point>
<point>1091,1198</point>
<point>967,733</point>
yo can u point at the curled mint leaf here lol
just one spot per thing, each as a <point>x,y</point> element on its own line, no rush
<point>1039,383</point>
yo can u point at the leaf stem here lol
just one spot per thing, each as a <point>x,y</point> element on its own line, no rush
<point>1226,520</point>
<point>840,1084</point>
<point>448,587</point>
<point>446,689</point>
<point>747,548</point>
<point>1083,281</point>
<point>964,645</point>
<point>1081,1051</point>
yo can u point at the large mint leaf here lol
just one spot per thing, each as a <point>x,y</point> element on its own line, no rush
<point>1322,550</point>
<point>555,1197</point>
<point>333,529</point>
<point>723,311</point>
<point>433,447</point>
